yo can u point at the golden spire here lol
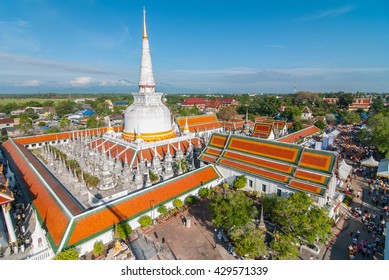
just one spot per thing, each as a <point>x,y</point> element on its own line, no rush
<point>144,24</point>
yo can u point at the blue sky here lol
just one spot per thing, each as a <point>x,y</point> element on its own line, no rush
<point>196,45</point>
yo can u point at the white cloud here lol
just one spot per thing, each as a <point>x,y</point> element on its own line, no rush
<point>81,81</point>
<point>31,83</point>
<point>328,13</point>
<point>277,46</point>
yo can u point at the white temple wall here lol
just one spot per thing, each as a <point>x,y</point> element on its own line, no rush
<point>258,184</point>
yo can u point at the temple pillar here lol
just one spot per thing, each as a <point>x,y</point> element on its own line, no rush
<point>8,221</point>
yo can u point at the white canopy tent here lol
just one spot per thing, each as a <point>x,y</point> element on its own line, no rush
<point>344,170</point>
<point>370,162</point>
<point>383,168</point>
<point>334,133</point>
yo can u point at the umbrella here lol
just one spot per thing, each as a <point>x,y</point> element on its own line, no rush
<point>371,162</point>
<point>383,168</point>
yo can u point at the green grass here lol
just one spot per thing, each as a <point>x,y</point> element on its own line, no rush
<point>4,101</point>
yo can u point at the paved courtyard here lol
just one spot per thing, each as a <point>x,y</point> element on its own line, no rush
<point>197,242</point>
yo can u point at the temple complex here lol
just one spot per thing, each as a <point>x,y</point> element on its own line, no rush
<point>83,183</point>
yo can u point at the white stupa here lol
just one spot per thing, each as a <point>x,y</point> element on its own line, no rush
<point>147,118</point>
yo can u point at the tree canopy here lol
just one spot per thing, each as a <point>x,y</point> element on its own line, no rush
<point>145,221</point>
<point>284,246</point>
<point>123,230</point>
<point>297,216</point>
<point>378,128</point>
<point>240,182</point>
<point>249,241</point>
<point>234,211</point>
<point>296,126</point>
<point>377,106</point>
<point>351,118</point>
<point>291,113</point>
<point>68,254</point>
<point>320,124</point>
<point>227,113</point>
<point>25,123</point>
<point>345,100</point>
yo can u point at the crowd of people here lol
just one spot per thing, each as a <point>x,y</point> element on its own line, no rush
<point>350,147</point>
<point>20,216</point>
<point>373,219</point>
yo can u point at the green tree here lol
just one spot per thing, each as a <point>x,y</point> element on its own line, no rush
<point>296,126</point>
<point>240,182</point>
<point>291,113</point>
<point>68,254</point>
<point>98,248</point>
<point>31,113</point>
<point>345,100</point>
<point>249,241</point>
<point>378,130</point>
<point>162,210</point>
<point>11,106</point>
<point>145,221</point>
<point>123,230</point>
<point>25,123</point>
<point>284,247</point>
<point>191,200</point>
<point>153,177</point>
<point>320,124</point>
<point>297,216</point>
<point>66,107</point>
<point>64,123</point>
<point>351,118</point>
<point>178,203</point>
<point>377,106</point>
<point>236,210</point>
<point>204,192</point>
<point>51,130</point>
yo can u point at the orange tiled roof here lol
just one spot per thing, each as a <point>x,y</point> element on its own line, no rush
<point>260,119</point>
<point>115,149</point>
<point>262,130</point>
<point>254,170</point>
<point>208,158</point>
<point>279,124</point>
<point>306,187</point>
<point>365,101</point>
<point>210,154</point>
<point>199,123</point>
<point>313,177</point>
<point>274,161</point>
<point>317,160</point>
<point>293,137</point>
<point>218,140</point>
<point>61,135</point>
<point>106,217</point>
<point>49,209</point>
<point>232,125</point>
<point>212,151</point>
<point>269,149</point>
<point>257,161</point>
<point>148,153</point>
